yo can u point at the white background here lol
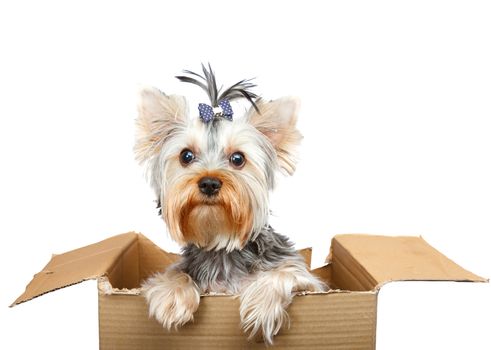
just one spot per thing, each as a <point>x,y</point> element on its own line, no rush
<point>396,118</point>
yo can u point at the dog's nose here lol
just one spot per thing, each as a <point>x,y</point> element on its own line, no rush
<point>209,185</point>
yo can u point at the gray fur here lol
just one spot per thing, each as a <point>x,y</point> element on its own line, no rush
<point>207,82</point>
<point>260,265</point>
<point>219,270</point>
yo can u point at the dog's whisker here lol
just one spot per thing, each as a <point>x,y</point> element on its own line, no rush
<point>212,175</point>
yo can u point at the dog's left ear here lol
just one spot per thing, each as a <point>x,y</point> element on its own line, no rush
<point>277,120</point>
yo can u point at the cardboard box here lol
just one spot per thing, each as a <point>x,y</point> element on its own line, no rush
<point>343,318</point>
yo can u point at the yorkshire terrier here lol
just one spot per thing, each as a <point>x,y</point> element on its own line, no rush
<point>212,176</point>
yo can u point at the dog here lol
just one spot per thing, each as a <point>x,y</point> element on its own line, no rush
<point>212,176</point>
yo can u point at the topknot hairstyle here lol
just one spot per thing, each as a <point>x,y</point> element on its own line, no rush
<point>207,82</point>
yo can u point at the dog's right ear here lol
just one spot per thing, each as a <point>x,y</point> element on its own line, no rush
<point>159,117</point>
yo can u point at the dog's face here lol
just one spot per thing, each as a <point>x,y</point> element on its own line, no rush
<point>213,179</point>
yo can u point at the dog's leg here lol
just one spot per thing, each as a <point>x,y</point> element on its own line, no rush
<point>172,298</point>
<point>263,303</point>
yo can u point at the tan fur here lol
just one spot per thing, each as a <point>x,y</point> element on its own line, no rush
<point>205,221</point>
<point>212,227</point>
<point>277,121</point>
<point>172,298</point>
<point>158,116</point>
<point>195,218</point>
<point>265,300</point>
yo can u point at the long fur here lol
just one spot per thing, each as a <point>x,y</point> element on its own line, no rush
<point>219,270</point>
<point>228,245</point>
<point>263,303</point>
<point>207,81</point>
<point>172,298</point>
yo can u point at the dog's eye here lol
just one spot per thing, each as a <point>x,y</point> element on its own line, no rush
<point>186,157</point>
<point>237,160</point>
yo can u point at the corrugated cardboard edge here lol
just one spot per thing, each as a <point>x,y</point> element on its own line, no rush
<point>362,261</point>
<point>104,261</point>
<point>22,299</point>
<point>152,254</point>
<point>78,265</point>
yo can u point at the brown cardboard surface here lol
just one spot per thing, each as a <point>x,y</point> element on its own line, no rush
<point>344,318</point>
<point>306,253</point>
<point>322,321</point>
<point>364,262</point>
<point>78,265</point>
<point>134,265</point>
<point>125,260</point>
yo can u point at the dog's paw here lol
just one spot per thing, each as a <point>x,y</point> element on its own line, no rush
<point>172,298</point>
<point>263,311</point>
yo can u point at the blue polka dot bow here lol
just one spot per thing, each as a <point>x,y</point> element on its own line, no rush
<point>207,113</point>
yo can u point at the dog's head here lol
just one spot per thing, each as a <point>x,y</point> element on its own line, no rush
<point>212,178</point>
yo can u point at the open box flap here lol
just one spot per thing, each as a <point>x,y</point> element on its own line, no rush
<point>365,262</point>
<point>96,260</point>
<point>125,260</point>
